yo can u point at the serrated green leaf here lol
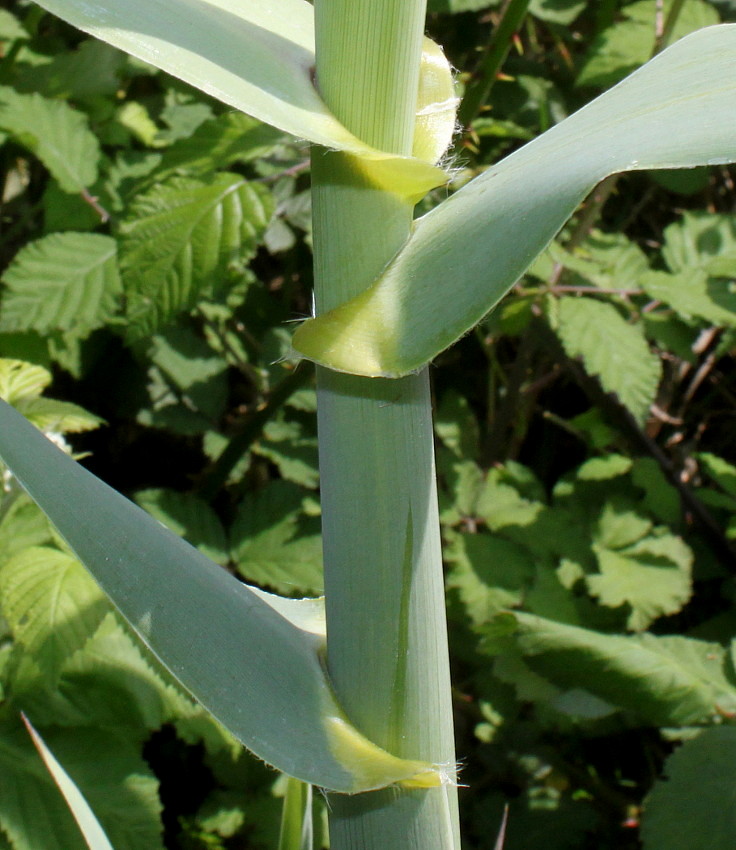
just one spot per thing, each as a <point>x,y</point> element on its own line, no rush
<point>11,28</point>
<point>51,604</point>
<point>61,417</point>
<point>661,497</point>
<point>665,681</point>
<point>57,134</point>
<point>550,595</point>
<point>652,576</point>
<point>125,173</point>
<point>183,239</point>
<point>696,239</point>
<point>274,545</point>
<point>629,43</point>
<point>612,349</point>
<point>609,260</point>
<point>70,74</point>
<point>464,479</point>
<point>182,114</point>
<point>691,806</point>
<point>189,517</point>
<point>23,525</point>
<point>108,684</point>
<point>618,527</point>
<point>20,380</point>
<point>196,375</point>
<point>63,281</point>
<point>464,255</point>
<point>63,212</point>
<point>561,12</point>
<point>489,573</point>
<point>720,470</point>
<point>218,144</point>
<point>291,451</point>
<point>457,426</point>
<point>501,504</point>
<point>136,119</point>
<point>692,294</point>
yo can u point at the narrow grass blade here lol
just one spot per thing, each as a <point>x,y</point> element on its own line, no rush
<point>677,111</point>
<point>250,658</point>
<point>94,834</point>
<point>255,55</point>
<point>297,829</point>
<point>501,840</point>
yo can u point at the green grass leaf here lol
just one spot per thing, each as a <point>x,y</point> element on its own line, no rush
<point>257,57</point>
<point>64,281</point>
<point>296,819</point>
<point>108,770</point>
<point>88,824</point>
<point>57,134</point>
<point>252,664</point>
<point>183,240</point>
<point>676,111</point>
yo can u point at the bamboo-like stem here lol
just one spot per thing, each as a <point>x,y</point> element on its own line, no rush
<point>386,633</point>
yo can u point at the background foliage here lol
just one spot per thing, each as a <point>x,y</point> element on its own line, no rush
<point>154,247</point>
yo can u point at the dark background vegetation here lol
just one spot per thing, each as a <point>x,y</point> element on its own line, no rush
<point>584,431</point>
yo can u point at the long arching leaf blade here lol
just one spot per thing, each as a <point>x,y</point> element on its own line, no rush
<point>89,826</point>
<point>255,55</point>
<point>677,111</point>
<point>253,660</point>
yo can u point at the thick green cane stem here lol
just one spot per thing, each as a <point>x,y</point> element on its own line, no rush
<point>387,644</point>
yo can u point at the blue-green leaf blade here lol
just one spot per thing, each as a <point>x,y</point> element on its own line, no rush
<point>245,659</point>
<point>93,833</point>
<point>677,111</point>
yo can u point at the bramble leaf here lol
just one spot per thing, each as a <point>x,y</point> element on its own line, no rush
<point>693,798</point>
<point>57,134</point>
<point>64,281</point>
<point>612,349</point>
<point>183,240</point>
<point>665,681</point>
